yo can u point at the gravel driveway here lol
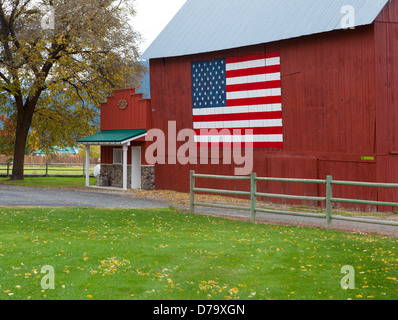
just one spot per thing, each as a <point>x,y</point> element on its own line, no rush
<point>14,196</point>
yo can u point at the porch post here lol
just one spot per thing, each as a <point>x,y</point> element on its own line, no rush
<point>87,165</point>
<point>125,149</point>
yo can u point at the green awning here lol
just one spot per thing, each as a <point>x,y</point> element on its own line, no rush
<point>113,137</point>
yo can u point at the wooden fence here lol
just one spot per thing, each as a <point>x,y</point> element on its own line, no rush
<point>49,169</point>
<point>57,159</point>
<point>328,199</point>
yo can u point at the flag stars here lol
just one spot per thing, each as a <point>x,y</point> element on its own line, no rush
<point>209,82</point>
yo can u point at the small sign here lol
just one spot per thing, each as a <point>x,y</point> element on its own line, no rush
<point>367,158</point>
<point>123,104</point>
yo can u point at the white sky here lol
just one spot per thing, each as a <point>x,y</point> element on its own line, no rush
<point>152,16</point>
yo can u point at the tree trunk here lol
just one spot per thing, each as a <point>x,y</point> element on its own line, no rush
<point>24,121</point>
<point>19,157</point>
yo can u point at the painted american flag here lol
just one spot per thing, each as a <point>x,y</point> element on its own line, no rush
<point>238,93</point>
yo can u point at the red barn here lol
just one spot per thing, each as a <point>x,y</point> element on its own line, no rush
<point>331,111</point>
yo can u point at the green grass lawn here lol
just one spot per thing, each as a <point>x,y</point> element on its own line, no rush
<point>164,254</point>
<point>50,182</point>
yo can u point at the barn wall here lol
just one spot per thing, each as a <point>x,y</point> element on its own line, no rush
<point>136,116</point>
<point>386,44</point>
<point>338,93</point>
<point>328,93</point>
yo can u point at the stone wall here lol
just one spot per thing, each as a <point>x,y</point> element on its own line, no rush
<point>148,178</point>
<point>112,176</point>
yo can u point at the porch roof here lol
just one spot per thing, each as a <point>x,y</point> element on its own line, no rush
<point>113,137</point>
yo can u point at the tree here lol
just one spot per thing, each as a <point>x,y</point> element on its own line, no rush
<point>60,58</point>
<point>7,135</point>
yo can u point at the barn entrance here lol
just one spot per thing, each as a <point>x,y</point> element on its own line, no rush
<point>136,168</point>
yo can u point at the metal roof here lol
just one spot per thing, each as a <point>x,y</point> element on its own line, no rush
<point>113,137</point>
<point>212,25</point>
<point>59,150</point>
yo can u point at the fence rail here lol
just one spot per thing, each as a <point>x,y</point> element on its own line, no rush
<point>48,170</point>
<point>328,199</point>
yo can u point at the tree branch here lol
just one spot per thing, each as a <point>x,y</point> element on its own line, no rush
<point>6,80</point>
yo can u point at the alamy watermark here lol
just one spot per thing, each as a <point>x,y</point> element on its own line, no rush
<point>348,19</point>
<point>236,145</point>
<point>48,281</point>
<point>348,281</point>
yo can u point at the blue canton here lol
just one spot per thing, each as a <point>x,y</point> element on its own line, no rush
<point>209,84</point>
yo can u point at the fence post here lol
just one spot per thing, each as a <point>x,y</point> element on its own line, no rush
<point>8,169</point>
<point>329,204</point>
<point>192,192</point>
<point>253,198</point>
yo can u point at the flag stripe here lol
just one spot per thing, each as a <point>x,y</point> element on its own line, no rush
<point>260,130</point>
<point>253,94</point>
<point>239,116</point>
<point>270,55</point>
<point>229,145</point>
<point>254,101</point>
<point>274,54</point>
<point>254,86</point>
<point>246,58</point>
<point>251,64</point>
<point>241,138</point>
<point>253,71</point>
<point>239,109</point>
<point>238,124</point>
<point>256,78</point>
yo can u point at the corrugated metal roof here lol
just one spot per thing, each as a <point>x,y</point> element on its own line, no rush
<point>211,25</point>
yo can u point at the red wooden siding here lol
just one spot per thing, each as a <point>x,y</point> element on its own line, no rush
<point>386,57</point>
<point>386,44</point>
<point>387,171</point>
<point>136,116</point>
<point>328,93</point>
<point>389,13</point>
